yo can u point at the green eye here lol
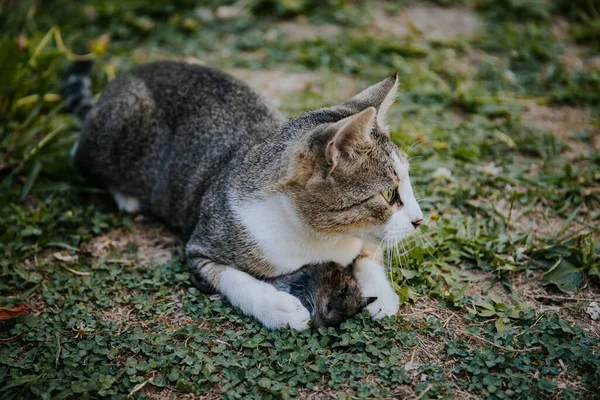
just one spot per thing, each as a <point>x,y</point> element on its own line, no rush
<point>389,195</point>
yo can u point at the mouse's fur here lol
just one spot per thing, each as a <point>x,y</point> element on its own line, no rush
<point>329,292</point>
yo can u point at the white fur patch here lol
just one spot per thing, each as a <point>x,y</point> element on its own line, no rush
<point>126,203</point>
<point>372,279</point>
<point>273,308</point>
<point>286,241</point>
<point>400,225</point>
<point>400,166</point>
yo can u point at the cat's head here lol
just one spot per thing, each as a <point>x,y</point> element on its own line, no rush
<point>337,295</point>
<point>348,177</point>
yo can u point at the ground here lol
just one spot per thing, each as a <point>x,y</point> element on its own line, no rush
<point>498,111</point>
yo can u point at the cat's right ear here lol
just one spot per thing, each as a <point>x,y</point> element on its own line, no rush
<point>381,96</point>
<point>351,136</point>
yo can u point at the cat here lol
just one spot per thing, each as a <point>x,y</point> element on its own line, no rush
<point>254,194</point>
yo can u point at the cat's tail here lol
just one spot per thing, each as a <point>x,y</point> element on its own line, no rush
<point>76,89</point>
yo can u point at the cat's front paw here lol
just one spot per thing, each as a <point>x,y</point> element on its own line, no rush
<point>387,304</point>
<point>281,310</point>
<point>373,282</point>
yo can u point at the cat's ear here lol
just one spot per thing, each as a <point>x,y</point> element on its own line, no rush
<point>368,300</point>
<point>351,135</point>
<point>381,96</point>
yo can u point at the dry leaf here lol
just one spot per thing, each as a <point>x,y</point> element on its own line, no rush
<point>80,273</point>
<point>10,313</point>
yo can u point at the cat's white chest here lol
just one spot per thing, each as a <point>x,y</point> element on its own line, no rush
<point>285,241</point>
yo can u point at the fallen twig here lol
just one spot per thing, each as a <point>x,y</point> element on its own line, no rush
<point>424,392</point>
<point>10,339</point>
<point>139,387</point>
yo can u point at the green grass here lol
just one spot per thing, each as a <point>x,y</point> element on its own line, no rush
<point>471,323</point>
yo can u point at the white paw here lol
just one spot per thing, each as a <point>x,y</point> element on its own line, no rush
<point>126,203</point>
<point>373,281</point>
<point>280,309</point>
<point>387,304</point>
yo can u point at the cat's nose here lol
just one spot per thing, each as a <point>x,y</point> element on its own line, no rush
<point>417,223</point>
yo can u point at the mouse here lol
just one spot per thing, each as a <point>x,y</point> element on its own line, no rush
<point>328,290</point>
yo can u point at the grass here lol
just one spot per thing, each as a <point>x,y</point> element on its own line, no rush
<point>494,289</point>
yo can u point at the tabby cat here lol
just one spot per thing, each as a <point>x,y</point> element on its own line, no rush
<point>255,195</point>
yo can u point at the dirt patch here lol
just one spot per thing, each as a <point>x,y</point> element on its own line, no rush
<point>299,30</point>
<point>122,316</point>
<point>145,243</point>
<point>432,22</point>
<point>560,28</point>
<point>277,85</point>
<point>430,348</point>
<point>174,319</point>
<point>575,60</point>
<point>548,300</point>
<point>563,121</point>
<point>481,284</point>
<point>169,393</point>
<point>38,305</point>
<point>537,220</point>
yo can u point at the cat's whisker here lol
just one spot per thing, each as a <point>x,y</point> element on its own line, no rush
<point>388,259</point>
<point>404,244</point>
<point>429,246</point>
<point>404,251</point>
<point>399,254</point>
<point>403,142</point>
<point>414,146</point>
<point>398,260</point>
<point>377,251</point>
<point>425,200</point>
<point>423,237</point>
<point>404,248</point>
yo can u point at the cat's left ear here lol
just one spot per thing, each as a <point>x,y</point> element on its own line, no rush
<point>381,96</point>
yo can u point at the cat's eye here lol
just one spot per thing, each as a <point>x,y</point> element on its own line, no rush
<point>390,195</point>
<point>329,306</point>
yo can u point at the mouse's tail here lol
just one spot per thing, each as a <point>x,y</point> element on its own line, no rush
<point>76,88</point>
